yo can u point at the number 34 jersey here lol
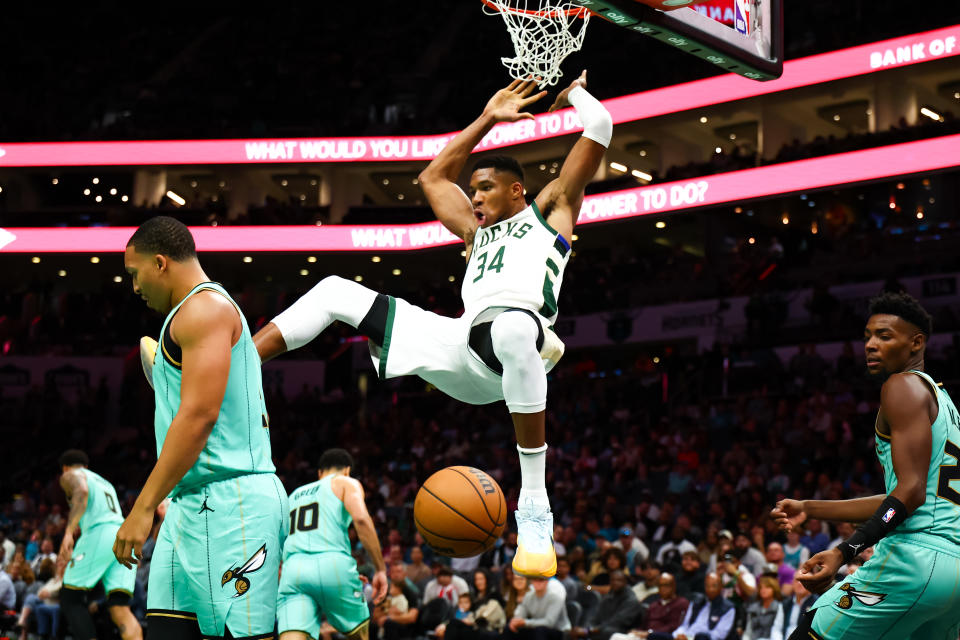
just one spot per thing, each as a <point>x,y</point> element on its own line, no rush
<point>940,513</point>
<point>319,521</point>
<point>517,262</point>
<point>102,504</point>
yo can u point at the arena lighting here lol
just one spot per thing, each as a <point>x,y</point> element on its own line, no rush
<point>176,198</point>
<point>616,166</point>
<point>824,67</point>
<point>636,173</point>
<point>930,113</point>
<point>725,188</point>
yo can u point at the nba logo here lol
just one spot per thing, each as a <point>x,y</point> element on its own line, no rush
<point>741,20</point>
<point>888,516</point>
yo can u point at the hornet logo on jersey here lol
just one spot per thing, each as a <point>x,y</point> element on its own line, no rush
<point>864,597</point>
<point>242,584</point>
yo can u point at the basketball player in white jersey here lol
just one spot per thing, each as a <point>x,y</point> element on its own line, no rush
<point>502,346</point>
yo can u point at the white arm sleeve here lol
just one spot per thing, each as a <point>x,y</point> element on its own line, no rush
<point>597,123</point>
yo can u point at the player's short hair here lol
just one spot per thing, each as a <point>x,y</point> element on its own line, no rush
<point>335,459</point>
<point>73,457</point>
<point>505,164</point>
<point>166,236</point>
<point>905,306</point>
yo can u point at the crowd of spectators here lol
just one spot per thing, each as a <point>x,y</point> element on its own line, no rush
<point>101,73</point>
<point>655,498</point>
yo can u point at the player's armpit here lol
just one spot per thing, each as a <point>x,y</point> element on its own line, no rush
<point>561,199</point>
<point>905,401</point>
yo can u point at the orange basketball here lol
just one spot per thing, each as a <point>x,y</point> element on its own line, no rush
<point>460,511</point>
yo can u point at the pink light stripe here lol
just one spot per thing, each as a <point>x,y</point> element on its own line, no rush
<point>737,186</point>
<point>860,60</point>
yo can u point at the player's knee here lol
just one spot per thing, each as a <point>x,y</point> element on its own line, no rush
<point>514,336</point>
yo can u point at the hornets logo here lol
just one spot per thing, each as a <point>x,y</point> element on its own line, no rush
<point>242,583</point>
<point>864,597</point>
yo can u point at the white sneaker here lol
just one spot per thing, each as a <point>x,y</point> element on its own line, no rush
<point>536,556</point>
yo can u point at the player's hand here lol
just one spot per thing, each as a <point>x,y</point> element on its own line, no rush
<point>506,105</point>
<point>380,585</point>
<point>817,573</point>
<point>561,100</point>
<point>789,514</point>
<point>130,537</point>
<point>66,548</point>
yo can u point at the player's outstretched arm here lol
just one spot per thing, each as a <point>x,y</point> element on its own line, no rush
<point>439,180</point>
<point>205,328</point>
<point>75,486</point>
<point>269,342</point>
<point>353,501</point>
<point>560,200</point>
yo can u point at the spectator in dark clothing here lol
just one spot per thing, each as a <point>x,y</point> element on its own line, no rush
<point>690,578</point>
<point>617,611</point>
<point>569,581</point>
<point>666,612</point>
<point>709,618</point>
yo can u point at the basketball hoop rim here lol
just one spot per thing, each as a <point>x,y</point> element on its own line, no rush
<point>579,12</point>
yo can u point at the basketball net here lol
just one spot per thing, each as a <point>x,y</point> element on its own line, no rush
<point>543,35</point>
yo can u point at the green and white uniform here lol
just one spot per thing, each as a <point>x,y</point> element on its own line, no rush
<point>93,559</point>
<point>910,587</point>
<point>218,550</point>
<point>517,263</point>
<point>319,574</point>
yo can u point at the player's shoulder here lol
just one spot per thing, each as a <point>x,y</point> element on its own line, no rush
<point>903,393</point>
<point>204,312</point>
<point>345,482</point>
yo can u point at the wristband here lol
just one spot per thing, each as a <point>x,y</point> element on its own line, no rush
<point>888,517</point>
<point>597,123</point>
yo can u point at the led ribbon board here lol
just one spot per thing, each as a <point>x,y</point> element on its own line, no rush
<point>737,186</point>
<point>855,61</point>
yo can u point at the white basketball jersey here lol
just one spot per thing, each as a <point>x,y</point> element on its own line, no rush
<point>517,262</point>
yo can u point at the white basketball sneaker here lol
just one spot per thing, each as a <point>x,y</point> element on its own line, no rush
<point>536,556</point>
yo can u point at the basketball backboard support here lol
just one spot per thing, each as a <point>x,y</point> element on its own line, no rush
<point>753,48</point>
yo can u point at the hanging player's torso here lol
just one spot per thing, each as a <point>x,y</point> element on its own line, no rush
<point>240,440</point>
<point>940,513</point>
<point>319,521</point>
<point>103,507</point>
<point>517,262</point>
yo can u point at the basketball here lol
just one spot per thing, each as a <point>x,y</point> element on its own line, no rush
<point>460,512</point>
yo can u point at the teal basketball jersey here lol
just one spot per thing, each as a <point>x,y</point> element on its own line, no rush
<point>318,520</point>
<point>103,507</point>
<point>240,441</point>
<point>940,513</point>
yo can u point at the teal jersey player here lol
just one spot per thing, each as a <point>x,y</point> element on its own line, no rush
<point>95,509</point>
<point>241,436</point>
<point>216,560</point>
<point>319,575</point>
<point>103,506</point>
<point>311,505</point>
<point>908,587</point>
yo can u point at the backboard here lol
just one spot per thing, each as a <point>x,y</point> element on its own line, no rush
<point>752,45</point>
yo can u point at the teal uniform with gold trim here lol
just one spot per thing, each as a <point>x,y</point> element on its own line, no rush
<point>218,551</point>
<point>910,587</point>
<point>93,560</point>
<point>319,574</point>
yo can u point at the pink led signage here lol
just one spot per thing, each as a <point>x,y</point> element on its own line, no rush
<point>825,67</point>
<point>737,186</point>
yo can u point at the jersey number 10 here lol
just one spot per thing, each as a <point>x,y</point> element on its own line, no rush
<point>305,518</point>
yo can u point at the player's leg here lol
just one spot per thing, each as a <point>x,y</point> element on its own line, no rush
<point>73,607</point>
<point>333,298</point>
<point>92,558</point>
<point>119,583</point>
<point>298,615</point>
<point>340,591</point>
<point>171,614</point>
<point>516,336</point>
<point>126,623</point>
